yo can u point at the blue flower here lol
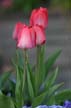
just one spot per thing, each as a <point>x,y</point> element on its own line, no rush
<point>67,104</point>
<point>53,106</point>
<point>42,106</point>
<point>56,106</point>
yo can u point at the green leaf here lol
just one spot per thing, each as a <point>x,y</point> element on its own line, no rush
<point>51,60</point>
<point>31,74</point>
<point>30,86</point>
<point>6,102</point>
<point>12,87</point>
<point>39,99</point>
<point>5,76</point>
<point>19,80</point>
<point>51,93</point>
<point>50,81</point>
<point>51,101</point>
<point>9,87</point>
<point>18,89</point>
<point>18,60</point>
<point>54,88</point>
<point>63,95</point>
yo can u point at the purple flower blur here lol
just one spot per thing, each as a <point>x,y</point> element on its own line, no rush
<point>56,106</point>
<point>67,104</point>
<point>53,106</point>
<point>42,106</point>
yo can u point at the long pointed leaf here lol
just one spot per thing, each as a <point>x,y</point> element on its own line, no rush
<point>31,73</point>
<point>39,99</point>
<point>51,60</point>
<point>51,93</point>
<point>62,96</point>
<point>5,76</point>
<point>50,81</point>
<point>18,89</point>
<point>54,88</point>
<point>30,86</point>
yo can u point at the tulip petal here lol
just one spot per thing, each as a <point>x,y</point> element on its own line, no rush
<point>17,30</point>
<point>40,35</point>
<point>33,36</point>
<point>39,17</point>
<point>27,38</point>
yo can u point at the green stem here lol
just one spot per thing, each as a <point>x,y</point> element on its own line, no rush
<point>24,73</point>
<point>20,82</point>
<point>24,76</point>
<point>42,54</point>
<point>39,76</point>
<point>37,69</point>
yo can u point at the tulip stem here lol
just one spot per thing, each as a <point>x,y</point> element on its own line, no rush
<point>37,69</point>
<point>39,77</point>
<point>18,92</point>
<point>24,73</point>
<point>25,62</point>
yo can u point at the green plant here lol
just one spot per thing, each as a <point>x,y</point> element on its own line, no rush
<point>34,85</point>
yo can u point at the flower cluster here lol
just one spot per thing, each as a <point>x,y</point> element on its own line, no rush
<point>29,37</point>
<point>34,34</point>
<point>67,104</point>
<point>35,86</point>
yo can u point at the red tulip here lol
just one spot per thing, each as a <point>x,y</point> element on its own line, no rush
<point>40,35</point>
<point>40,17</point>
<point>27,38</point>
<point>17,30</point>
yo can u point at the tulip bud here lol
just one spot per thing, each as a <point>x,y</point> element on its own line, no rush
<point>40,35</point>
<point>17,30</point>
<point>39,17</point>
<point>27,38</point>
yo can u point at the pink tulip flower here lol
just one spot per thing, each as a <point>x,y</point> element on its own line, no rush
<point>39,17</point>
<point>40,35</point>
<point>17,30</point>
<point>27,38</point>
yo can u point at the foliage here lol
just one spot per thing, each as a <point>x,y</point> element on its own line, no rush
<point>34,86</point>
<point>46,91</point>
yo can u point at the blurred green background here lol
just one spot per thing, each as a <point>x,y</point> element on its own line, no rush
<point>63,6</point>
<point>23,5</point>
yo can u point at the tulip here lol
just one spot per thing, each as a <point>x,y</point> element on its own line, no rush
<point>27,38</point>
<point>17,30</point>
<point>39,17</point>
<point>40,35</point>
